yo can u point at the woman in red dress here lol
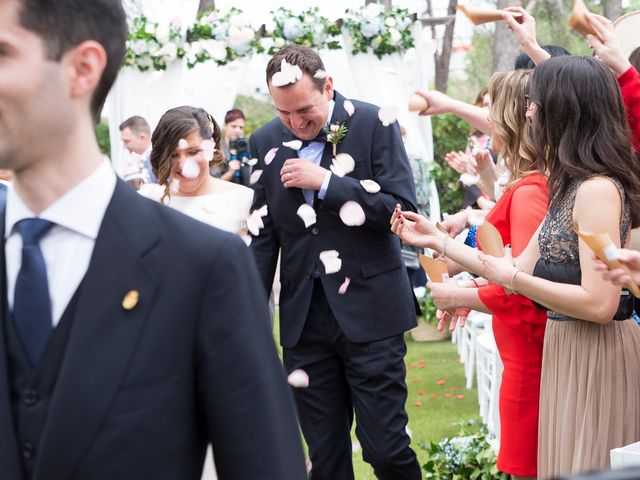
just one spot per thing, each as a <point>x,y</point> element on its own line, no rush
<point>517,324</point>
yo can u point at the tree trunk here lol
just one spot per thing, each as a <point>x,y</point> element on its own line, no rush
<point>206,5</point>
<point>444,57</point>
<point>612,9</point>
<point>505,44</point>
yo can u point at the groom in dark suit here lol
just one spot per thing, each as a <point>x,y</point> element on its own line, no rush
<point>125,343</point>
<point>345,300</point>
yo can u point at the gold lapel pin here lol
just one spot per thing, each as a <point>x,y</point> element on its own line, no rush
<point>130,300</point>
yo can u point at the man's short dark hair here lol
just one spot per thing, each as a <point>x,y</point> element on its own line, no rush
<point>136,124</point>
<point>524,62</point>
<point>307,59</point>
<point>64,24</point>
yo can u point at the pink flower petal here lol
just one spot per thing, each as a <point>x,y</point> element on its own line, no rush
<point>348,107</point>
<point>252,162</point>
<point>467,179</point>
<point>268,158</point>
<point>307,214</point>
<point>183,144</point>
<point>342,164</point>
<point>293,144</point>
<point>298,379</point>
<point>208,148</point>
<point>370,186</point>
<point>331,261</point>
<point>388,114</point>
<point>174,185</point>
<point>352,214</point>
<point>152,191</point>
<point>255,176</point>
<point>343,288</point>
<point>190,169</point>
<point>255,223</point>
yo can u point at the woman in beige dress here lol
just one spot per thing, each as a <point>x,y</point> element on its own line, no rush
<point>590,387</point>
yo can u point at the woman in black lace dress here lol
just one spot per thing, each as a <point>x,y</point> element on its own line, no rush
<point>590,389</point>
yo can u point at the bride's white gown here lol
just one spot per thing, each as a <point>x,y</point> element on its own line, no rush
<point>227,211</point>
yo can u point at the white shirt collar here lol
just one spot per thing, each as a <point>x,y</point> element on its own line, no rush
<point>81,209</point>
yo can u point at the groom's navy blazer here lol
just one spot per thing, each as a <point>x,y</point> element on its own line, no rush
<point>140,391</point>
<point>379,301</point>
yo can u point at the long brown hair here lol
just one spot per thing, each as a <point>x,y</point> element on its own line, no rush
<point>508,91</point>
<point>174,125</point>
<point>580,129</point>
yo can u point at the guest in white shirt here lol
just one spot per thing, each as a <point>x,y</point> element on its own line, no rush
<point>136,137</point>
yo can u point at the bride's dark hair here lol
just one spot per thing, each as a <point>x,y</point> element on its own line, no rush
<point>580,129</point>
<point>176,124</point>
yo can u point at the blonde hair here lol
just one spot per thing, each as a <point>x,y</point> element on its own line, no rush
<point>508,91</point>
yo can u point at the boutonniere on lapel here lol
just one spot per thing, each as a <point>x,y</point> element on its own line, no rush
<point>335,134</point>
<point>342,163</point>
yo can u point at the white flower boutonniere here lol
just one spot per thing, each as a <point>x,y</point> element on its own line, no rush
<point>335,133</point>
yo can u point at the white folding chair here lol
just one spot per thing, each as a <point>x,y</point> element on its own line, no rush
<point>489,373</point>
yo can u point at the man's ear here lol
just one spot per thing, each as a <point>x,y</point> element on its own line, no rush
<point>328,88</point>
<point>84,65</point>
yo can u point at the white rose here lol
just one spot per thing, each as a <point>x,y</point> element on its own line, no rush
<point>308,19</point>
<point>279,42</point>
<point>390,22</point>
<point>162,34</point>
<point>170,51</point>
<point>375,43</point>
<point>216,49</point>
<point>395,35</point>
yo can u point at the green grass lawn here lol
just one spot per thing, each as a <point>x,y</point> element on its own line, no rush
<point>428,364</point>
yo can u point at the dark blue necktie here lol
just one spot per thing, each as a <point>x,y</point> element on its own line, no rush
<point>31,303</point>
<point>320,137</point>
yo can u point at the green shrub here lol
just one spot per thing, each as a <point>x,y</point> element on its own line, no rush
<point>102,135</point>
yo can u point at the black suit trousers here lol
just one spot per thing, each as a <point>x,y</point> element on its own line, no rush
<point>345,376</point>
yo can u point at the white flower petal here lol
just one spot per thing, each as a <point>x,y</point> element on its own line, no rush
<point>388,115</point>
<point>174,185</point>
<point>467,179</point>
<point>246,238</point>
<point>370,186</point>
<point>255,176</point>
<point>183,144</point>
<point>352,214</point>
<point>307,214</point>
<point>252,162</point>
<point>190,168</point>
<point>348,107</point>
<point>343,288</point>
<point>280,79</point>
<point>268,158</point>
<point>293,144</point>
<point>331,261</point>
<point>342,164</point>
<point>152,191</point>
<point>262,211</point>
<point>298,379</point>
<point>208,148</point>
<point>320,74</point>
<point>474,219</point>
<point>255,223</point>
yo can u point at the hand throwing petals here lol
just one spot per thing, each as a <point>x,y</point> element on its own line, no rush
<point>298,379</point>
<point>190,168</point>
<point>255,176</point>
<point>388,115</point>
<point>183,144</point>
<point>349,108</point>
<point>370,186</point>
<point>343,288</point>
<point>293,144</point>
<point>307,214</point>
<point>352,214</point>
<point>271,154</point>
<point>342,164</point>
<point>208,148</point>
<point>331,261</point>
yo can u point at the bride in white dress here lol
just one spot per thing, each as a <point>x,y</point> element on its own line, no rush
<point>186,143</point>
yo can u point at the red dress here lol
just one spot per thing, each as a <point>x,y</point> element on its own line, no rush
<point>518,327</point>
<point>629,83</point>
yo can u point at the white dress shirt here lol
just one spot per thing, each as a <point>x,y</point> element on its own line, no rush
<point>67,247</point>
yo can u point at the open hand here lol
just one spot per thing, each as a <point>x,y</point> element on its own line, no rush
<point>414,229</point>
<point>617,276</point>
<point>605,44</point>
<point>438,102</point>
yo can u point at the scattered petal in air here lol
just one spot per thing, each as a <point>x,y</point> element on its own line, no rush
<point>298,379</point>
<point>288,74</point>
<point>252,162</point>
<point>190,169</point>
<point>348,107</point>
<point>208,148</point>
<point>331,261</point>
<point>247,239</point>
<point>183,144</point>
<point>408,430</point>
<point>263,210</point>
<point>174,185</point>
<point>467,179</point>
<point>293,144</point>
<point>447,395</point>
<point>268,158</point>
<point>307,214</point>
<point>320,74</point>
<point>255,176</point>
<point>388,115</point>
<point>352,214</point>
<point>254,221</point>
<point>474,219</point>
<point>459,397</point>
<point>308,465</point>
<point>370,186</point>
<point>420,392</point>
<point>440,382</point>
<point>342,164</point>
<point>418,404</point>
<point>152,191</point>
<point>356,447</point>
<point>344,286</point>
